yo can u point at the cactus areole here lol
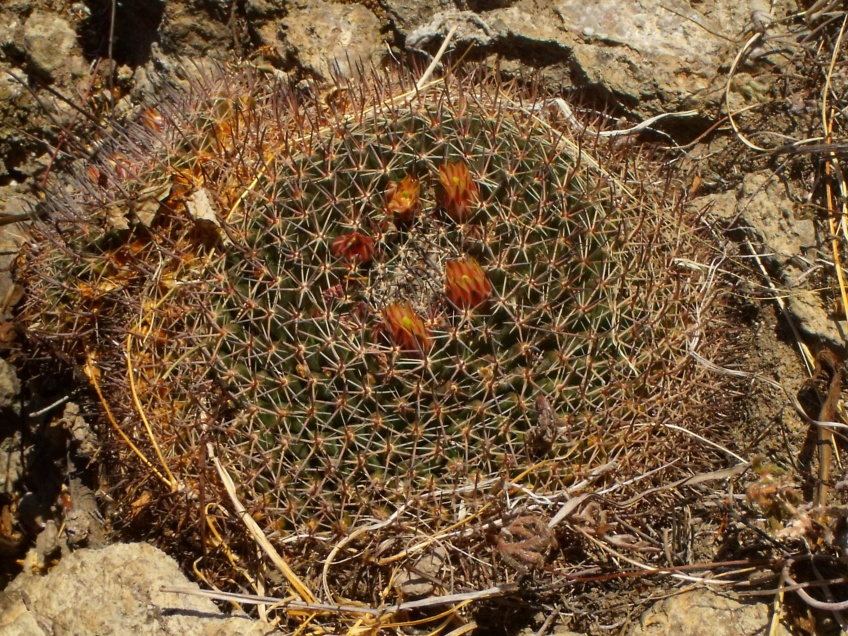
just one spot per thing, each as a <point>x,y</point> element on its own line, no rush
<point>356,301</point>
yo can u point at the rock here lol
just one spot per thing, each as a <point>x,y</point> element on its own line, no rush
<point>323,35</point>
<point>406,15</point>
<point>420,582</point>
<point>10,390</point>
<point>50,45</point>
<point>664,57</point>
<point>704,613</point>
<point>11,461</point>
<point>764,205</point>
<point>116,590</point>
<point>18,122</point>
<point>12,236</point>
<point>785,235</point>
<point>11,24</point>
<point>15,619</point>
<point>196,27</point>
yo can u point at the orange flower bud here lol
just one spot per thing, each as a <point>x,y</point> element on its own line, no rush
<point>460,193</point>
<point>95,176</point>
<point>407,328</point>
<point>355,247</point>
<point>152,119</point>
<point>404,199</point>
<point>466,284</point>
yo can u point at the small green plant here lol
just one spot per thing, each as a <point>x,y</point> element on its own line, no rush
<point>361,300</point>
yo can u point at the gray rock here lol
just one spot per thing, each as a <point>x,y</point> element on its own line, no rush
<point>704,613</point>
<point>407,15</point>
<point>15,618</point>
<point>17,119</point>
<point>323,35</point>
<point>10,389</point>
<point>10,23</point>
<point>12,237</point>
<point>117,591</point>
<point>653,56</point>
<point>11,461</point>
<point>50,44</point>
<point>197,27</point>
<point>764,206</point>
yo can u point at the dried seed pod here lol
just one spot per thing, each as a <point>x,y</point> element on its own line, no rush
<point>404,199</point>
<point>354,248</point>
<point>407,328</point>
<point>460,194</point>
<point>525,542</point>
<point>466,284</point>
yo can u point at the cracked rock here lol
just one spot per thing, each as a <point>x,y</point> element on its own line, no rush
<point>116,590</point>
<point>704,613</point>
<point>323,35</point>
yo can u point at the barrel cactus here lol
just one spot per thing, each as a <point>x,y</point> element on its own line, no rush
<point>425,311</point>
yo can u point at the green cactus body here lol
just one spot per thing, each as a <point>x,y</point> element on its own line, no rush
<point>249,332</point>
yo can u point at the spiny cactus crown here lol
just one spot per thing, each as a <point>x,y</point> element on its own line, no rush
<point>367,303</point>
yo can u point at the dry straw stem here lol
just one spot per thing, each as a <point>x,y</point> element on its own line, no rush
<point>257,534</point>
<point>92,373</point>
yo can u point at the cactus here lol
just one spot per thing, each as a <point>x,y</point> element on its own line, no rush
<point>358,300</point>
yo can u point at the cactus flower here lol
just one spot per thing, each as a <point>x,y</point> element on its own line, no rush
<point>460,193</point>
<point>355,247</point>
<point>406,327</point>
<point>466,284</point>
<point>404,199</point>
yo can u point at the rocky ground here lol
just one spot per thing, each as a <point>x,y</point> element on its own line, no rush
<point>631,59</point>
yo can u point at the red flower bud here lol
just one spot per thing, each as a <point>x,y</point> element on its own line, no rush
<point>459,192</point>
<point>355,247</point>
<point>407,328</point>
<point>466,284</point>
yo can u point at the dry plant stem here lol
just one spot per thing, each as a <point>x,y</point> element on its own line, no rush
<point>447,616</point>
<point>92,372</point>
<point>172,481</point>
<point>547,624</point>
<point>840,618</point>
<point>750,43</point>
<point>809,361</point>
<point>827,122</point>
<point>328,562</point>
<point>568,113</point>
<point>425,76</point>
<point>465,629</point>
<point>498,591</point>
<point>820,6</point>
<point>256,531</point>
<point>650,569</point>
<point>829,412</point>
<point>701,438</point>
<point>809,600</point>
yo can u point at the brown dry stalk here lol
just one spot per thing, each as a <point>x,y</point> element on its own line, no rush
<point>827,362</point>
